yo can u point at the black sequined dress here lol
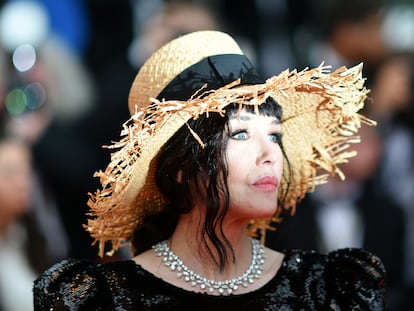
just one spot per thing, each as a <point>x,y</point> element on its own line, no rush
<point>347,279</point>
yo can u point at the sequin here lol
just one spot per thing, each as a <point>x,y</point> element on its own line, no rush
<point>347,279</point>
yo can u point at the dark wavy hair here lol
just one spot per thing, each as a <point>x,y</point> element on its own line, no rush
<point>188,172</point>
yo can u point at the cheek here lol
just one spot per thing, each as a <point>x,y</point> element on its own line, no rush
<point>280,163</point>
<point>238,159</point>
<point>236,168</point>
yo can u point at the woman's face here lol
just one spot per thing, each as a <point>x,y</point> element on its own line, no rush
<point>255,163</point>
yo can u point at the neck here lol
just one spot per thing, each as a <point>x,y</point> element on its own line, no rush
<point>188,243</point>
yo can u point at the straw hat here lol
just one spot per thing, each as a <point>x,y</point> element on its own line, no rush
<point>320,120</point>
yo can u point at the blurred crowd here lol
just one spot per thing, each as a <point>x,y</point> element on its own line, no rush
<point>65,71</point>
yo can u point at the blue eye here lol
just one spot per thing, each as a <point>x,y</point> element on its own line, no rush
<point>240,135</point>
<point>276,138</point>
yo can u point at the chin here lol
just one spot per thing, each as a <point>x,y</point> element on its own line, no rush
<point>254,209</point>
<point>264,211</point>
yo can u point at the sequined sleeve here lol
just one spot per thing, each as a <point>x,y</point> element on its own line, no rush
<point>72,285</point>
<point>355,280</point>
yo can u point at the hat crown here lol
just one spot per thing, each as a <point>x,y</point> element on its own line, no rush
<point>173,58</point>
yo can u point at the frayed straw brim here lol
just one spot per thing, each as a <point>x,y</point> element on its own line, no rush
<point>320,121</point>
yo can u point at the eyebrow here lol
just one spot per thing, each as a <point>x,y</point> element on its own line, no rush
<point>248,117</point>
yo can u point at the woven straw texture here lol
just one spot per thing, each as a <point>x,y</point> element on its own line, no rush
<point>172,59</point>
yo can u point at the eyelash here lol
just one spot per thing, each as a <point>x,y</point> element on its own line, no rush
<point>235,133</point>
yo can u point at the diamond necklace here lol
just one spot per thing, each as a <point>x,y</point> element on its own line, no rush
<point>254,271</point>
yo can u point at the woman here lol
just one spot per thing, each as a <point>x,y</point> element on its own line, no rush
<point>16,272</point>
<point>202,161</point>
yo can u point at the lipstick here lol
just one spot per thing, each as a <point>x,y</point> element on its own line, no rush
<point>266,183</point>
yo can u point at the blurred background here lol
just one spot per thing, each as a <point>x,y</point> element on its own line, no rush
<point>65,71</point>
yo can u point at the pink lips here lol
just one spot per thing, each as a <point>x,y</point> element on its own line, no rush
<point>267,183</point>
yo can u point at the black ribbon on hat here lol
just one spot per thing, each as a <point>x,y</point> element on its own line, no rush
<point>214,72</point>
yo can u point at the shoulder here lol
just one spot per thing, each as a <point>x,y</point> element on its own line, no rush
<point>78,285</point>
<point>351,276</point>
<point>357,274</point>
<point>351,259</point>
<point>356,259</point>
<point>353,265</point>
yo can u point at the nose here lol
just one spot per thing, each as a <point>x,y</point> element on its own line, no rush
<point>267,152</point>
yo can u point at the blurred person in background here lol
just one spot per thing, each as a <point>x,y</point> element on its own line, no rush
<point>393,108</point>
<point>16,272</point>
<point>47,92</point>
<point>340,32</point>
<point>31,234</point>
<point>25,247</point>
<point>392,93</point>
